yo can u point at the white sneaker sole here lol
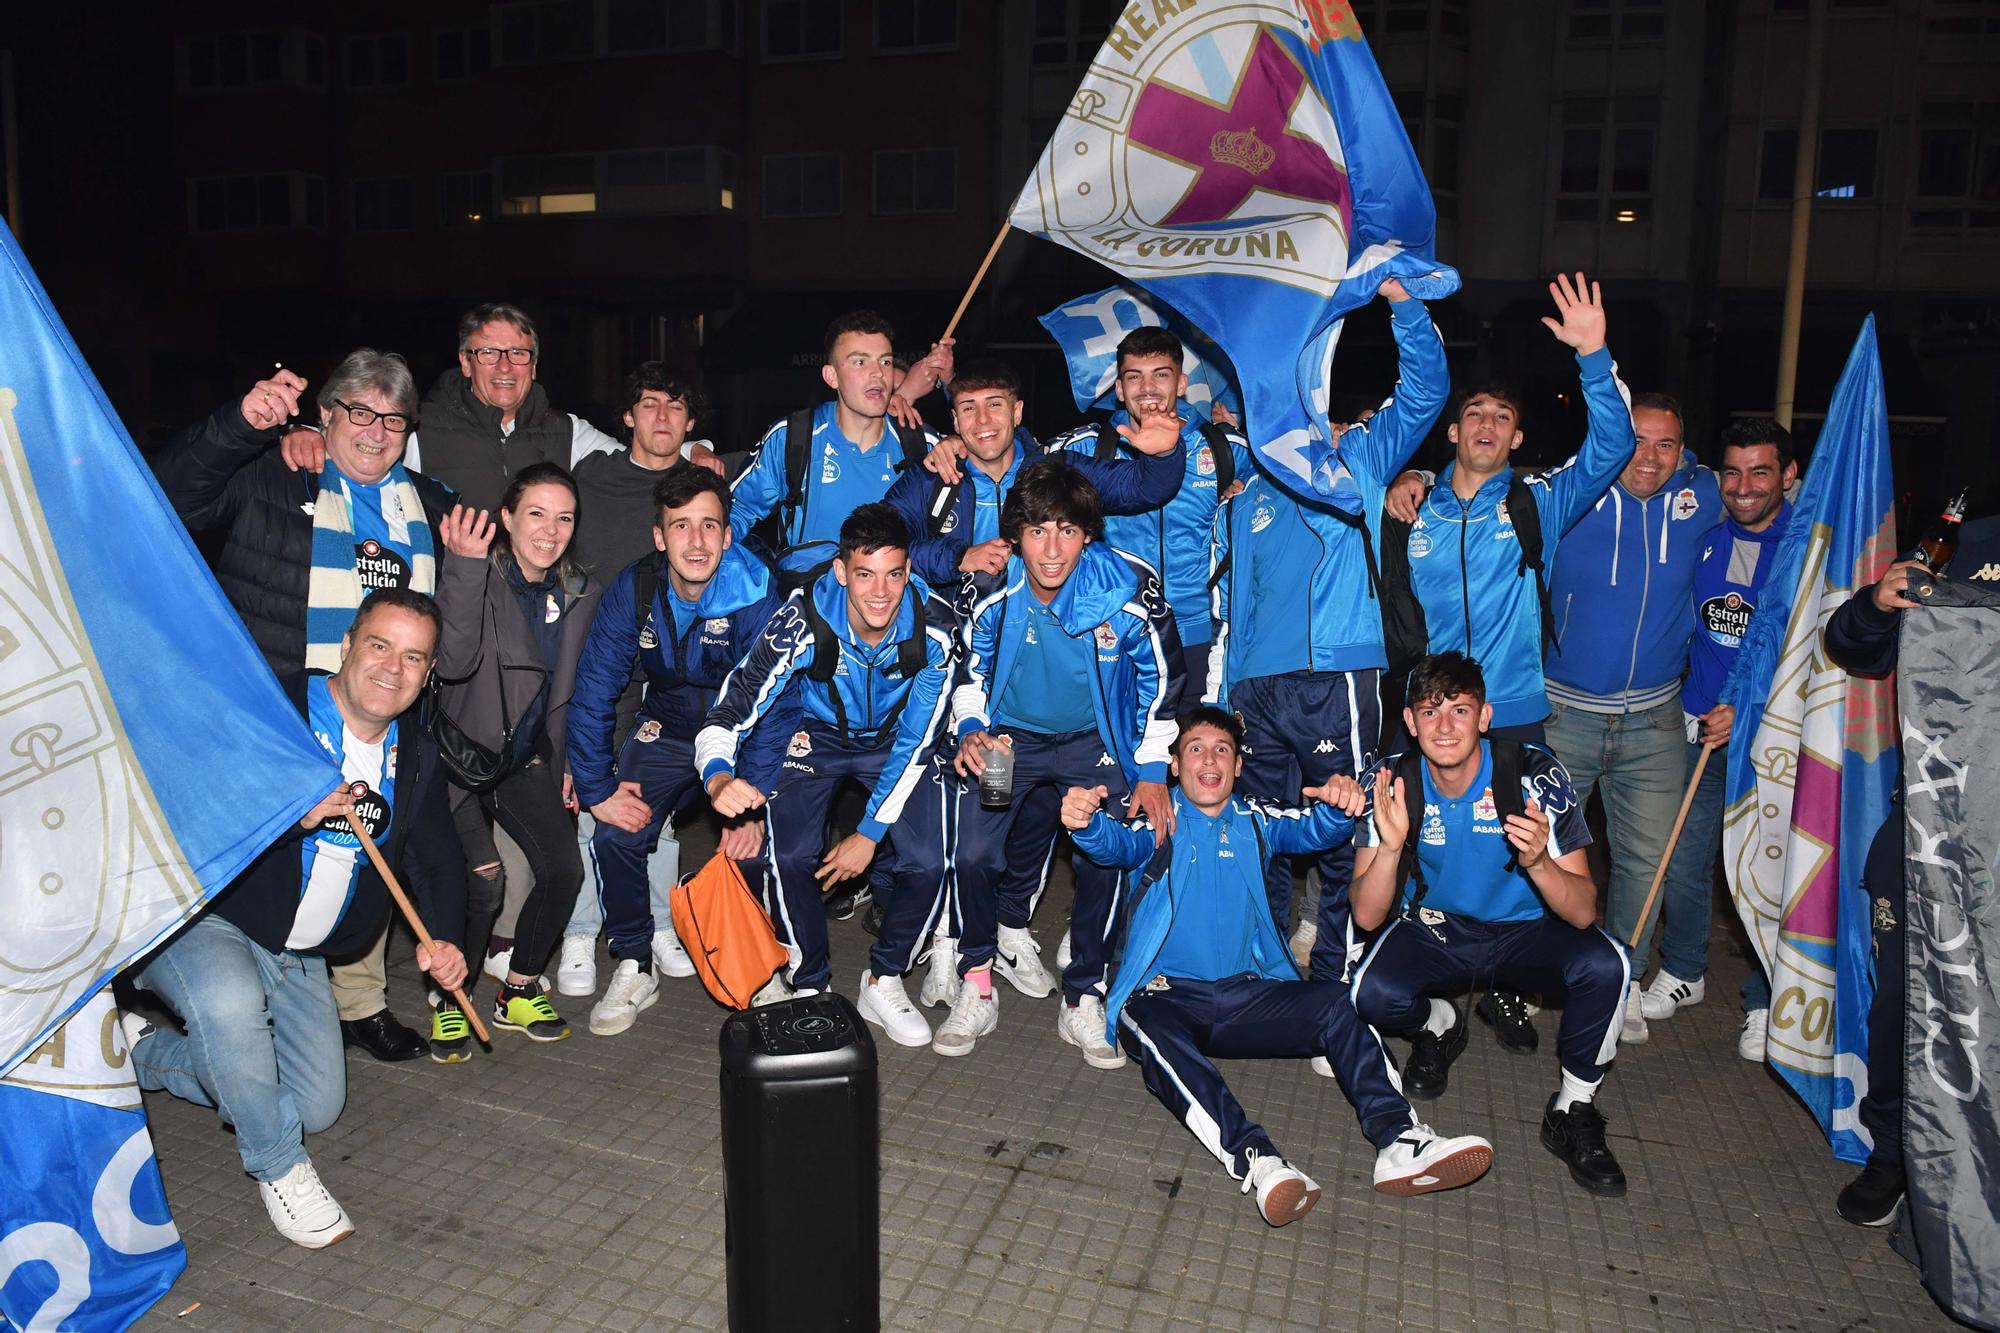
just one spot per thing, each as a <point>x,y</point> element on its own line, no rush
<point>612,1024</point>
<point>1288,1201</point>
<point>1448,1172</point>
<point>910,1039</point>
<point>319,1240</point>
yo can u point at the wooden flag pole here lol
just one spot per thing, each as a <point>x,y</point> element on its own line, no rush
<point>977,278</point>
<point>1666,857</point>
<point>416,923</point>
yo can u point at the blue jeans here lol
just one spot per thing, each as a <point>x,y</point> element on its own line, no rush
<point>262,1044</point>
<point>663,871</point>
<point>1689,893</point>
<point>1640,762</point>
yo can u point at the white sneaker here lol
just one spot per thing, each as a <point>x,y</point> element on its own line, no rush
<point>496,964</point>
<point>303,1210</point>
<point>1302,942</point>
<point>576,965</point>
<point>1062,950</point>
<point>971,1018</point>
<point>668,955</point>
<point>630,994</point>
<point>887,1005</point>
<point>1019,959</point>
<point>1756,1027</point>
<point>1420,1161</point>
<point>1082,1026</point>
<point>1669,993</point>
<point>1322,1066</point>
<point>1633,1031</point>
<point>1284,1193</point>
<point>941,981</point>
<point>135,1027</point>
<point>775,991</point>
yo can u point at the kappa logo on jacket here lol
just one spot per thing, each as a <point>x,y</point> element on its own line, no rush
<point>1987,572</point>
<point>1325,747</point>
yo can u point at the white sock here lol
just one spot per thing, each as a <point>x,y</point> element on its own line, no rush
<point>1443,1016</point>
<point>1575,1092</point>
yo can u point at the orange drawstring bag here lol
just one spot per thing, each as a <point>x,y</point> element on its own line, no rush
<point>725,932</point>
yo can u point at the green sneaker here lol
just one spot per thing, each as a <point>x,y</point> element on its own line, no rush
<point>530,1015</point>
<point>451,1035</point>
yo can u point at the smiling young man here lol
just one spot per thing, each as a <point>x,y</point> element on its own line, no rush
<point>1073,665</point>
<point>864,651</point>
<point>1204,973</point>
<point>1476,848</point>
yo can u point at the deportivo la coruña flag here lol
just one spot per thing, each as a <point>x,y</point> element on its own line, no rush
<point>1090,328</point>
<point>1812,763</point>
<point>1245,164</point>
<point>146,755</point>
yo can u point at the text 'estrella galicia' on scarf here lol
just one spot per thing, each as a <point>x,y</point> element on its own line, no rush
<point>334,588</point>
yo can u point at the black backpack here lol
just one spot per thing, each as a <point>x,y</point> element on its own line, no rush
<point>1108,441</point>
<point>1507,799</point>
<point>798,452</point>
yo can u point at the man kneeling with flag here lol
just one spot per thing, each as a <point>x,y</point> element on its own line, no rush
<point>1205,973</point>
<point>249,977</point>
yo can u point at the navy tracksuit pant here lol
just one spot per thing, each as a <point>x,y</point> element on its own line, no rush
<point>1072,759</point>
<point>1415,959</point>
<point>1177,1031</point>
<point>664,769</point>
<point>1300,729</point>
<point>1031,850</point>
<point>795,822</point>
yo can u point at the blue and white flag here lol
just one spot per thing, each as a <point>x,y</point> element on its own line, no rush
<point>146,751</point>
<point>1090,328</point>
<point>1245,164</point>
<point>1812,763</point>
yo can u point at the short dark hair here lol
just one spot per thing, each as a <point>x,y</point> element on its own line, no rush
<point>682,483</point>
<point>1659,402</point>
<point>1151,340</point>
<point>1208,715</point>
<point>1443,676</point>
<point>1749,431</point>
<point>491,312</point>
<point>1050,490</point>
<point>657,377</point>
<point>1498,390</point>
<point>985,373</point>
<point>873,527</point>
<point>404,599</point>
<point>855,321</point>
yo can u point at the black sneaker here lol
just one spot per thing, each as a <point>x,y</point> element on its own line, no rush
<point>1428,1069</point>
<point>1870,1199</point>
<point>848,899</point>
<point>871,920</point>
<point>1577,1136</point>
<point>1507,1014</point>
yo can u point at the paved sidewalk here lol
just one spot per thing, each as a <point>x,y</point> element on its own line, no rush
<point>579,1186</point>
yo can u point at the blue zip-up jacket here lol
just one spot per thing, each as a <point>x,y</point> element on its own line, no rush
<point>839,478</point>
<point>1620,593</point>
<point>1727,579</point>
<point>1132,483</point>
<point>1465,561</point>
<point>1312,609</point>
<point>871,692</point>
<point>683,671</point>
<point>1174,539</point>
<point>1201,884</point>
<point>1136,665</point>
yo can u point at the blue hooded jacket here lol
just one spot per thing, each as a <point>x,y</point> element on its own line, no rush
<point>1620,593</point>
<point>1136,663</point>
<point>683,671</point>
<point>880,704</point>
<point>1200,884</point>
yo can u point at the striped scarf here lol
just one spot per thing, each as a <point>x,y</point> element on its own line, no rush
<point>333,589</point>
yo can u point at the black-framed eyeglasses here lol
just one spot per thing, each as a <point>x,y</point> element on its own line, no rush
<point>394,422</point>
<point>490,356</point>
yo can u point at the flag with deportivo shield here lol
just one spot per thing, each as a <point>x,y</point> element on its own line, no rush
<point>1812,762</point>
<point>1244,163</point>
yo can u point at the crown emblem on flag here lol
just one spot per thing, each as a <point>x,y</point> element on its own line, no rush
<point>1242,148</point>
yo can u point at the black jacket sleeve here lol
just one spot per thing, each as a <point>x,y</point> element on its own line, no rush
<point>196,469</point>
<point>1861,637</point>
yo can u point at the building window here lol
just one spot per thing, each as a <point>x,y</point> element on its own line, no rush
<point>801,185</point>
<point>635,27</point>
<point>1069,32</point>
<point>466,199</point>
<point>1435,139</point>
<point>916,25</point>
<point>545,30</point>
<point>380,60</point>
<point>535,186</point>
<point>1958,168</point>
<point>801,29</point>
<point>384,203</point>
<point>253,60</point>
<point>632,181</point>
<point>1607,155</point>
<point>1592,22</point>
<point>460,54</point>
<point>273,201</point>
<point>1845,168</point>
<point>1775,163</point>
<point>921,181</point>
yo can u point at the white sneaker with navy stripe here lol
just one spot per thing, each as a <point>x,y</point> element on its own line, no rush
<point>1422,1161</point>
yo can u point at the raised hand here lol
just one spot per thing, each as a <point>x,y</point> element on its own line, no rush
<point>1581,307</point>
<point>943,459</point>
<point>467,532</point>
<point>1154,433</point>
<point>1392,821</point>
<point>1341,791</point>
<point>1392,290</point>
<point>272,402</point>
<point>1530,835</point>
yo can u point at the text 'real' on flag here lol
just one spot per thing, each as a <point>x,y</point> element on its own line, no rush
<point>1812,763</point>
<point>1245,164</point>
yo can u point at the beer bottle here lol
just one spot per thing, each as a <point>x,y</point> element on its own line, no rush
<point>1941,542</point>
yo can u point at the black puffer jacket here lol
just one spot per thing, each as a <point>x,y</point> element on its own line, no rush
<point>222,474</point>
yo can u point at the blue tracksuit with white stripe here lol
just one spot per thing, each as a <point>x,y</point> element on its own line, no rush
<point>840,477</point>
<point>1204,972</point>
<point>1298,646</point>
<point>1479,922</point>
<point>1109,611</point>
<point>870,724</point>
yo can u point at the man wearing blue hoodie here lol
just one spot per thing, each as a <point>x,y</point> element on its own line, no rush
<point>1619,590</point>
<point>687,614</point>
<point>1072,665</point>
<point>1204,974</point>
<point>867,650</point>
